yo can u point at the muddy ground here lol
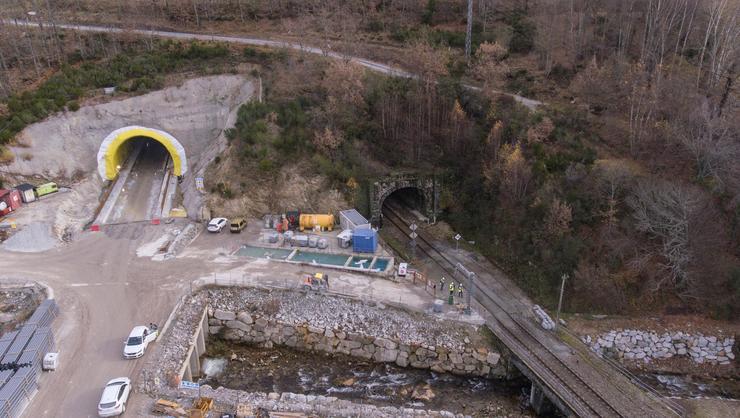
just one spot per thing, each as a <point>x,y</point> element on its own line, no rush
<point>255,369</point>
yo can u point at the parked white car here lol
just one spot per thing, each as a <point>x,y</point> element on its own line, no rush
<point>217,224</point>
<point>114,398</point>
<point>138,340</point>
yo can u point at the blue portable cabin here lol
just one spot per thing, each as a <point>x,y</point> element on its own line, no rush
<point>364,241</point>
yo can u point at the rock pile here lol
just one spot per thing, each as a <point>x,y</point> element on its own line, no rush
<point>244,327</point>
<point>351,316</point>
<point>182,240</point>
<point>637,345</point>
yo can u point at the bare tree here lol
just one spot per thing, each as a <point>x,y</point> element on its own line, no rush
<point>666,210</point>
<point>613,177</point>
<point>469,30</point>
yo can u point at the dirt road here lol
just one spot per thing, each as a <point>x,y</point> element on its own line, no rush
<point>103,291</point>
<point>379,67</point>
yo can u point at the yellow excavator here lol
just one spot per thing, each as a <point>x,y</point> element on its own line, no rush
<point>317,282</point>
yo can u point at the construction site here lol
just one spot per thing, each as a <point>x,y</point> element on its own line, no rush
<point>285,296</point>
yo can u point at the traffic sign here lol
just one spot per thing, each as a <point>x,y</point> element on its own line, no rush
<point>457,237</point>
<point>186,384</point>
<point>413,227</point>
<point>413,235</point>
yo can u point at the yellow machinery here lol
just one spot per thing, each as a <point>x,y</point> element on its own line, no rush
<point>310,221</point>
<point>318,282</point>
<point>169,408</point>
<point>200,408</point>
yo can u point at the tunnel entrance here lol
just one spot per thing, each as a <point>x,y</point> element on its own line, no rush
<point>117,146</point>
<point>140,190</point>
<point>418,191</point>
<point>140,198</point>
<point>408,199</point>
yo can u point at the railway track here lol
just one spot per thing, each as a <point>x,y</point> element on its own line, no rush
<point>573,389</point>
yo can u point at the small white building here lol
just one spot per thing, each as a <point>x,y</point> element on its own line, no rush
<point>351,219</point>
<point>27,193</point>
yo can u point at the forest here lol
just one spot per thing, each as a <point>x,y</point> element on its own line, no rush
<point>625,179</point>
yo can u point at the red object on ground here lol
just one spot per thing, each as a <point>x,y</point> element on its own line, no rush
<point>12,200</point>
<point>155,221</point>
<point>95,228</point>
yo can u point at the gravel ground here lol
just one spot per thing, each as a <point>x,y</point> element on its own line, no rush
<point>34,237</point>
<point>17,304</point>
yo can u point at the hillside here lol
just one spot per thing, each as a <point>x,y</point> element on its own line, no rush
<point>627,180</point>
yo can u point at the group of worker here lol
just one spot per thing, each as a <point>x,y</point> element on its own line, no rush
<point>451,287</point>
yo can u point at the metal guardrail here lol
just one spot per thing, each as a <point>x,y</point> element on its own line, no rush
<point>25,349</point>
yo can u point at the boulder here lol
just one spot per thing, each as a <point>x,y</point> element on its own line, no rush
<point>386,356</point>
<point>224,315</point>
<point>238,325</point>
<point>423,393</point>
<point>385,343</point>
<point>245,317</point>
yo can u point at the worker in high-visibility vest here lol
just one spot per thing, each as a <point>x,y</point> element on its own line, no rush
<point>452,288</point>
<point>459,290</point>
<point>442,283</point>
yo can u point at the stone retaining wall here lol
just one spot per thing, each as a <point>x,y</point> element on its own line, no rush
<point>648,345</point>
<point>244,327</point>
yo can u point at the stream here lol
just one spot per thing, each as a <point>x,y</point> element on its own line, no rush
<point>688,386</point>
<point>284,370</point>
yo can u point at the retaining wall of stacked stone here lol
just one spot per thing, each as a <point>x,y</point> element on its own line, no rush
<point>243,327</point>
<point>648,345</point>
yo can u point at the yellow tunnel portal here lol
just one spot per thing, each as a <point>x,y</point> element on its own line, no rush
<point>116,146</point>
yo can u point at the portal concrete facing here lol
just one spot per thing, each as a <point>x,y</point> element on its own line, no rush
<point>384,187</point>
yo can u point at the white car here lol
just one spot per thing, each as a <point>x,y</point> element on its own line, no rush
<point>138,340</point>
<point>217,224</point>
<point>115,396</point>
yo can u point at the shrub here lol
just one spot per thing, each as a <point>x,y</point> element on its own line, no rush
<point>375,25</point>
<point>266,165</point>
<point>428,14</point>
<point>522,33</point>
<point>73,106</point>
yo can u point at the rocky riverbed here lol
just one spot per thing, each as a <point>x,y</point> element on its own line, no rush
<point>253,369</point>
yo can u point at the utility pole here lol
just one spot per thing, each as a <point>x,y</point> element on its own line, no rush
<point>469,32</point>
<point>560,301</point>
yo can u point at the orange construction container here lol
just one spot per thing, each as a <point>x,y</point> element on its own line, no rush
<point>309,221</point>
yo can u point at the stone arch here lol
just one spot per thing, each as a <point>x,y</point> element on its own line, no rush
<point>426,185</point>
<point>115,148</point>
